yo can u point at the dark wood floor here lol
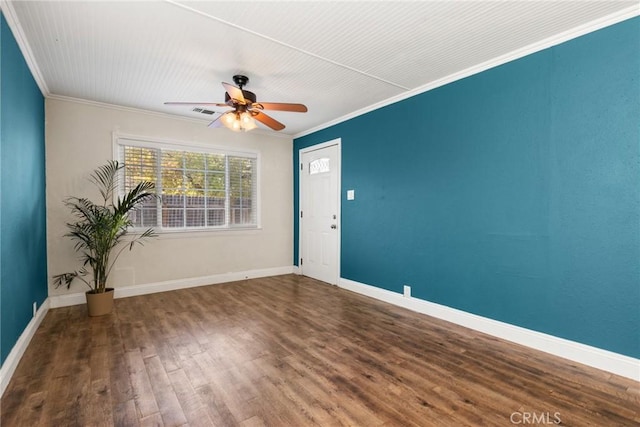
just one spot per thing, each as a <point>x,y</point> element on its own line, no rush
<point>291,351</point>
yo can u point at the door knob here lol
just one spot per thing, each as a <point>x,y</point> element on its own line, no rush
<point>333,226</point>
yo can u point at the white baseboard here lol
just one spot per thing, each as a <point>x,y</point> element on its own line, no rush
<point>296,270</point>
<point>172,285</point>
<point>56,301</point>
<point>615,363</point>
<point>11,362</point>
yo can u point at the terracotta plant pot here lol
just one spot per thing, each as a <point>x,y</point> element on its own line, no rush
<point>100,304</point>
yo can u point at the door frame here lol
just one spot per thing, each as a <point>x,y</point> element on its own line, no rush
<point>338,143</point>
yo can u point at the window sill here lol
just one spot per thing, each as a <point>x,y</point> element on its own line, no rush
<point>202,232</point>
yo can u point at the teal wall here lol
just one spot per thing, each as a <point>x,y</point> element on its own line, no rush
<point>513,194</point>
<point>23,258</point>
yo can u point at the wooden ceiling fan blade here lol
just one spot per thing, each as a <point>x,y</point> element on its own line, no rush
<point>234,93</point>
<point>267,120</point>
<point>281,106</point>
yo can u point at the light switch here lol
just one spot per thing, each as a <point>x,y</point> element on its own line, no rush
<point>351,194</point>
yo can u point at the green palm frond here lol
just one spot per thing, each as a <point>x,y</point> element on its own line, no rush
<point>137,195</point>
<point>106,178</point>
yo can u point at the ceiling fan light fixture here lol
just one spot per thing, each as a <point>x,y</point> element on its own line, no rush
<point>245,118</point>
<point>236,125</point>
<point>238,121</point>
<point>250,126</point>
<point>228,118</point>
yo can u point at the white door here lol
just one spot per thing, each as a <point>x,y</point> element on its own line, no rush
<point>319,214</point>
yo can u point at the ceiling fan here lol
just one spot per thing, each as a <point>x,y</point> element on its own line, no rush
<point>245,108</point>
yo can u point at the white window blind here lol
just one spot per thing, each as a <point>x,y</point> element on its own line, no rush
<point>196,189</point>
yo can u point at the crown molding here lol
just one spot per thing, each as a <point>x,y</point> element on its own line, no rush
<point>555,40</point>
<point>14,24</point>
<point>125,109</point>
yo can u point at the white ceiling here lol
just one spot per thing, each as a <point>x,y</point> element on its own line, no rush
<point>338,58</point>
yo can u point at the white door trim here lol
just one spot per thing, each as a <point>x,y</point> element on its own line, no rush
<point>338,142</point>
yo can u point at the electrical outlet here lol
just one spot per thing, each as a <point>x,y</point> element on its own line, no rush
<point>407,291</point>
<point>35,308</point>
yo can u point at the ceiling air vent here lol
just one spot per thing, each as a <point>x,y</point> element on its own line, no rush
<point>203,111</point>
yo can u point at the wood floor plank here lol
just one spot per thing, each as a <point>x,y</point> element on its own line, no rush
<point>153,420</point>
<point>33,415</point>
<point>253,422</point>
<point>237,390</point>
<point>119,378</point>
<point>292,351</point>
<point>170,408</point>
<point>142,392</point>
<point>125,414</point>
<point>218,410</point>
<point>98,406</point>
<point>193,408</point>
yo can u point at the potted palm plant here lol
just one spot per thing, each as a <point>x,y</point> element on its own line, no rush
<point>101,234</point>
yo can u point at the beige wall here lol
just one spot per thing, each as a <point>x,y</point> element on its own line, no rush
<point>79,137</point>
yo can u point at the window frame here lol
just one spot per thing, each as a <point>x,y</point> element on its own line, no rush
<point>120,140</point>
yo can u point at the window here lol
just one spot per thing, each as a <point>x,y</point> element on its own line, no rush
<point>319,166</point>
<point>197,188</point>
